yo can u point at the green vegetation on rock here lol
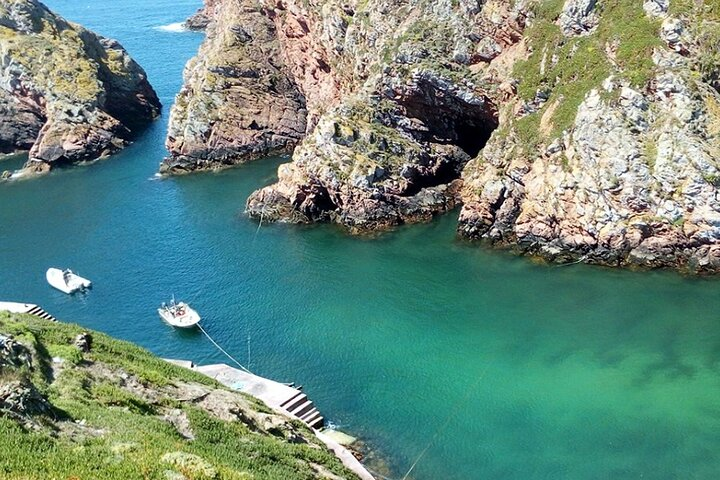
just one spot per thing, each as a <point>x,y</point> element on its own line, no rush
<point>109,411</point>
<point>568,68</point>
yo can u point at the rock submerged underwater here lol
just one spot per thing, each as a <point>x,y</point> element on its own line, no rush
<point>67,95</point>
<point>578,130</point>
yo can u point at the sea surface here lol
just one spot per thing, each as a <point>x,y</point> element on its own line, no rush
<point>494,366</point>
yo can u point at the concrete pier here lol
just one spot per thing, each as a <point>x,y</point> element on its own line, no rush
<point>279,396</point>
<point>284,399</point>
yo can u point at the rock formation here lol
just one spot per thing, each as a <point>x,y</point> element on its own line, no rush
<point>619,163</point>
<point>201,19</point>
<point>577,129</point>
<point>237,104</point>
<point>382,99</point>
<point>66,94</point>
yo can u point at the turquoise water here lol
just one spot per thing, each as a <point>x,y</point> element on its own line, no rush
<point>507,369</point>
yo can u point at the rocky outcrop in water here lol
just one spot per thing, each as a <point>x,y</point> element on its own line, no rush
<point>386,101</point>
<point>66,94</point>
<point>201,19</point>
<point>237,104</point>
<point>575,130</point>
<point>620,168</point>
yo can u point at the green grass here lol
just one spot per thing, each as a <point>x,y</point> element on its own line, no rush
<point>582,62</point>
<point>106,432</point>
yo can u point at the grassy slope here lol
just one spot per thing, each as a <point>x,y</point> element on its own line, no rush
<point>133,437</point>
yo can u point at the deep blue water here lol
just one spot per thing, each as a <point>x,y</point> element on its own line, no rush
<point>507,369</point>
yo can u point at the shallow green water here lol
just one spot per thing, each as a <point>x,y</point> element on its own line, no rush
<point>507,369</point>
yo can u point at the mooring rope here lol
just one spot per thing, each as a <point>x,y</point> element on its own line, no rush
<point>449,418</point>
<point>222,349</point>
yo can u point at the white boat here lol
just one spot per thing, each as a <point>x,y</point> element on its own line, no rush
<point>66,281</point>
<point>179,314</point>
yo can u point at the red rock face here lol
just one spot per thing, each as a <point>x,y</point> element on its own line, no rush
<point>400,105</point>
<point>306,59</point>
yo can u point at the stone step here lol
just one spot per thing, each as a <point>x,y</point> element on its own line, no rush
<point>302,409</point>
<point>310,414</point>
<point>294,402</point>
<point>317,424</point>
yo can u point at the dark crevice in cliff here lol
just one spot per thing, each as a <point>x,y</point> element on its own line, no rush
<point>442,174</point>
<point>472,136</point>
<point>449,119</point>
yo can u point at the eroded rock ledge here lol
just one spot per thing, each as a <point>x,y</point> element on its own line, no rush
<point>66,94</point>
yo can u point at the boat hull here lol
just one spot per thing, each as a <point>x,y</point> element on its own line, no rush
<point>56,278</point>
<point>188,320</point>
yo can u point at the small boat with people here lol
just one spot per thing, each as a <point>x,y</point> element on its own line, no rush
<point>179,314</point>
<point>66,280</point>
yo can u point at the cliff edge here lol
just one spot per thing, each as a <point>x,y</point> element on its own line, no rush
<point>78,404</point>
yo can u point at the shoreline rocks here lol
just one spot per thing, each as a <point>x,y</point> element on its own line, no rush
<point>553,135</point>
<point>67,95</point>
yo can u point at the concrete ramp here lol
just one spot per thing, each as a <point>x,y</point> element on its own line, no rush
<point>289,400</point>
<point>27,308</point>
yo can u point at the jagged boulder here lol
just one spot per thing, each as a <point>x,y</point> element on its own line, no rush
<point>21,400</point>
<point>14,354</point>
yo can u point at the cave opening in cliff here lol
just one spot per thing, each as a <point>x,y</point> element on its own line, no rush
<point>469,130</point>
<point>450,119</point>
<point>471,135</point>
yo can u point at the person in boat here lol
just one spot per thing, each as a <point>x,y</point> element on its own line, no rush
<point>66,275</point>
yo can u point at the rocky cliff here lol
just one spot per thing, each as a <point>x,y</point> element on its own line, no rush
<point>609,151</point>
<point>66,94</point>
<point>572,129</point>
<point>78,404</point>
<point>380,100</point>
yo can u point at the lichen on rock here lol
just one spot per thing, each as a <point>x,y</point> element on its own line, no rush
<point>630,177</point>
<point>66,94</point>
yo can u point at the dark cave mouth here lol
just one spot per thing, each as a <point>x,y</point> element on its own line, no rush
<point>451,120</point>
<point>472,136</point>
<point>468,127</point>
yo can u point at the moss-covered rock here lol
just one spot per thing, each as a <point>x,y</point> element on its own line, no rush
<point>66,94</point>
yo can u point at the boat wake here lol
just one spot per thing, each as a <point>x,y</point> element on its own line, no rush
<point>177,27</point>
